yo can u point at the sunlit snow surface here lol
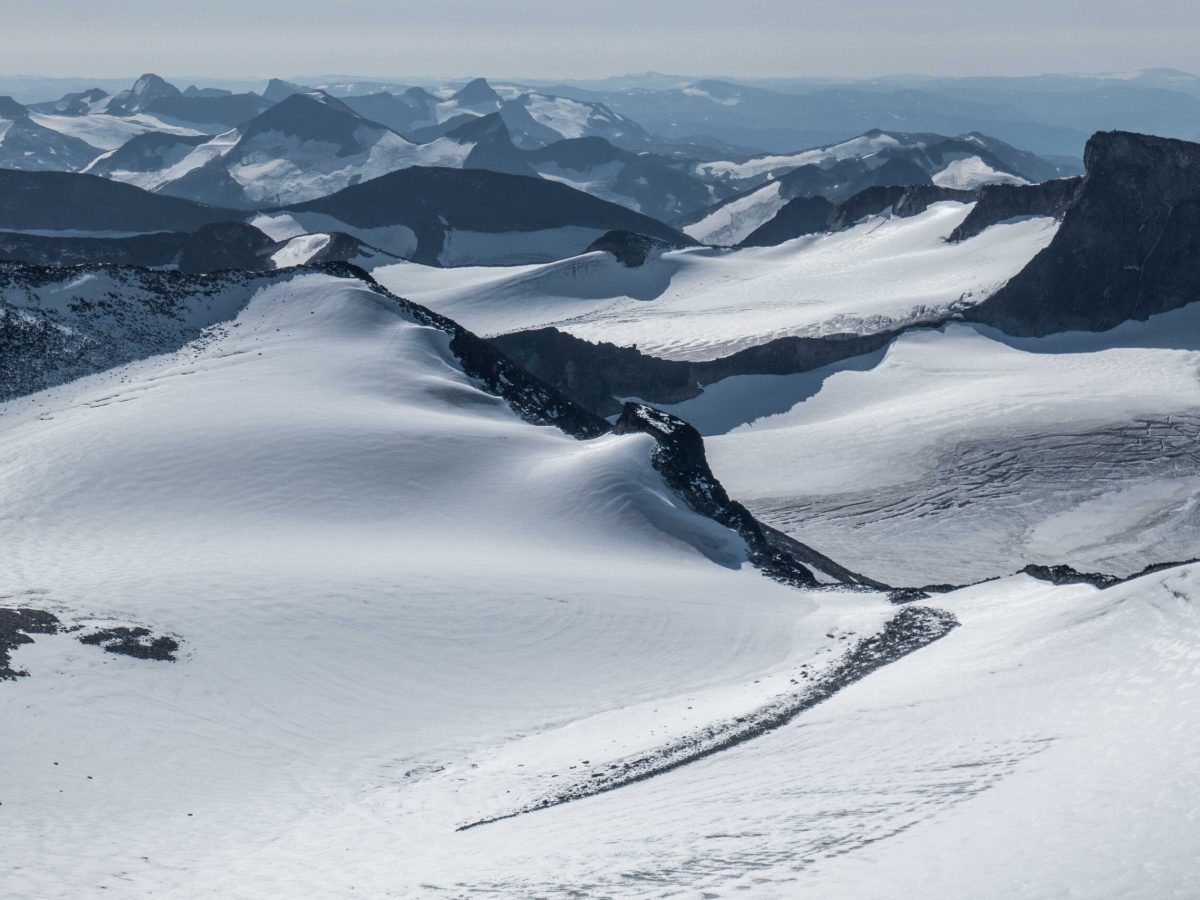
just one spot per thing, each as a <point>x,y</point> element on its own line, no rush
<point>403,609</point>
<point>959,453</point>
<point>701,303</point>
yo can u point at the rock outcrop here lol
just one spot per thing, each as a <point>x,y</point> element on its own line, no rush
<point>1128,246</point>
<point>999,202</point>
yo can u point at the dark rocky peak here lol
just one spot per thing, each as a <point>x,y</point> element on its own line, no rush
<point>998,202</point>
<point>578,153</point>
<point>11,109</point>
<point>225,245</point>
<point>1128,246</point>
<point>494,148</point>
<point>75,104</point>
<point>680,459</point>
<point>150,86</point>
<point>631,249</point>
<point>481,128</point>
<point>899,172</point>
<point>145,91</point>
<point>418,96</point>
<point>312,116</point>
<point>278,89</point>
<point>798,217</point>
<point>192,91</point>
<point>477,92</point>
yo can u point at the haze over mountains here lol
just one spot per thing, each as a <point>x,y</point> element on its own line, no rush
<point>629,487</point>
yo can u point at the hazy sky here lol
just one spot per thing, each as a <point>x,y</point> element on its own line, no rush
<point>588,38</point>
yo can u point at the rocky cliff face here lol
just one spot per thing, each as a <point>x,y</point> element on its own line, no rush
<point>998,202</point>
<point>1128,246</point>
<point>594,375</point>
<point>904,201</point>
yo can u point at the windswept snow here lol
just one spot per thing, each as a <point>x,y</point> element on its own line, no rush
<point>758,166</point>
<point>338,525</point>
<point>972,173</point>
<point>299,250</point>
<point>960,454</point>
<point>105,132</point>
<point>733,222</point>
<point>701,304</point>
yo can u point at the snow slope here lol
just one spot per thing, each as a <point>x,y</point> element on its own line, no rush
<point>972,173</point>
<point>960,454</point>
<point>732,222</point>
<point>701,304</point>
<point>374,567</point>
<point>864,145</point>
<point>108,132</point>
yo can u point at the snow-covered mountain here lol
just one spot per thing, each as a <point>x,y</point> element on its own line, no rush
<point>699,303</point>
<point>644,181</point>
<point>304,147</point>
<point>27,144</point>
<point>765,184</point>
<point>332,523</point>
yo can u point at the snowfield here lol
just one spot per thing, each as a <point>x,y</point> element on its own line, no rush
<point>960,453</point>
<point>106,132</point>
<point>701,303</point>
<point>368,560</point>
<point>403,610</point>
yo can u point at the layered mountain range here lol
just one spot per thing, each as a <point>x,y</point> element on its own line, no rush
<point>594,508</point>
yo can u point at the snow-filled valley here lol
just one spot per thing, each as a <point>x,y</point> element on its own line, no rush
<point>703,303</point>
<point>957,453</point>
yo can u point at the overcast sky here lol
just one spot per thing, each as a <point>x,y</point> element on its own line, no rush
<point>589,38</point>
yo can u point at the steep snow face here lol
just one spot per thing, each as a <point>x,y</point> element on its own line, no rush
<point>972,173</point>
<point>375,570</point>
<point>299,250</point>
<point>734,221</point>
<point>279,168</point>
<point>960,454</point>
<point>398,240</point>
<point>169,164</point>
<point>702,304</point>
<point>759,166</point>
<point>575,118</point>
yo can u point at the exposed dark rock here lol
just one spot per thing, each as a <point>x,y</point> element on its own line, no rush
<point>911,629</point>
<point>1128,246</point>
<point>15,627</point>
<point>432,201</point>
<point>648,182</point>
<point>903,200</point>
<point>160,248</point>
<point>596,374</point>
<point>1063,574</point>
<point>226,245</point>
<point>797,217</point>
<point>631,250</point>
<point>68,201</point>
<point>494,149</point>
<point>680,459</point>
<point>137,642</point>
<point>999,202</point>
<point>226,109</point>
